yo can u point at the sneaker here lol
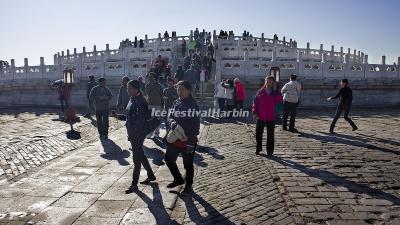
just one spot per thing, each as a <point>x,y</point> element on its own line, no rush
<point>148,180</point>
<point>131,189</point>
<point>187,191</point>
<point>175,183</point>
<point>258,152</point>
<point>293,130</point>
<point>331,131</point>
<point>355,128</point>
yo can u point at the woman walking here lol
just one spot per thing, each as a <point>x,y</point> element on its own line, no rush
<point>137,113</point>
<point>190,123</point>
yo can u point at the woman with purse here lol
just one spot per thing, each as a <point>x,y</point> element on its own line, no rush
<point>264,112</point>
<point>183,115</point>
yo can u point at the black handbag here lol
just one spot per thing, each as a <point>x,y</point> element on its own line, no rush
<point>151,124</point>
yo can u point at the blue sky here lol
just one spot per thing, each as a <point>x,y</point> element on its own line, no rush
<point>34,28</point>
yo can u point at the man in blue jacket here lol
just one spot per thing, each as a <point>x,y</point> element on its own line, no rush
<point>137,113</point>
<point>184,115</point>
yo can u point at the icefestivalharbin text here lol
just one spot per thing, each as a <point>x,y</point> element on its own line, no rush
<point>200,113</point>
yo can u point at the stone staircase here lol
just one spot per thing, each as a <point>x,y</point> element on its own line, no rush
<point>206,99</point>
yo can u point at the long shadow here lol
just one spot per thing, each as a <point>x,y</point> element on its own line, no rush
<point>210,151</point>
<point>385,141</point>
<point>344,139</point>
<point>156,206</point>
<point>113,152</point>
<point>156,154</point>
<point>213,216</point>
<point>335,180</point>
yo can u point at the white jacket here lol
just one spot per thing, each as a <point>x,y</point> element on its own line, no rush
<point>175,134</point>
<point>291,92</point>
<point>220,91</point>
<point>229,93</point>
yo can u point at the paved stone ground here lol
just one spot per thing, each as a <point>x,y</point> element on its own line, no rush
<point>314,178</point>
<point>31,137</point>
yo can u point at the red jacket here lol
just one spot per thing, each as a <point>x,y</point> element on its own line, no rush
<point>264,104</point>
<point>240,93</point>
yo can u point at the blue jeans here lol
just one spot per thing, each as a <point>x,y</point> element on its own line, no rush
<point>90,108</point>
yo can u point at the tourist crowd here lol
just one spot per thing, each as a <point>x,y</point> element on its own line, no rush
<point>163,90</point>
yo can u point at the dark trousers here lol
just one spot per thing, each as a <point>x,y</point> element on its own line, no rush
<point>62,102</point>
<point>270,135</point>
<point>102,122</point>
<point>171,156</point>
<point>139,159</point>
<point>221,104</point>
<point>239,104</point>
<point>289,109</point>
<point>229,108</point>
<point>90,108</point>
<point>340,109</point>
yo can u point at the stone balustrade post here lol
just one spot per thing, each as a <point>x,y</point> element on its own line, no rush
<point>13,67</point>
<point>42,66</point>
<point>26,67</point>
<point>55,59</point>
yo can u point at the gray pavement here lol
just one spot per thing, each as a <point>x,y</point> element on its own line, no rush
<point>314,178</point>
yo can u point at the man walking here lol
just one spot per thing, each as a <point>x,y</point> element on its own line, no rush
<point>91,84</point>
<point>154,95</point>
<point>346,98</point>
<point>101,97</point>
<point>290,92</point>
<point>123,97</point>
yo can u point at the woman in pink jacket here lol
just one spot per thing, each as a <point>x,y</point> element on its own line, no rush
<point>264,111</point>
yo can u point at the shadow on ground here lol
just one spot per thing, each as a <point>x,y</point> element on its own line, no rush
<point>335,180</point>
<point>113,152</point>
